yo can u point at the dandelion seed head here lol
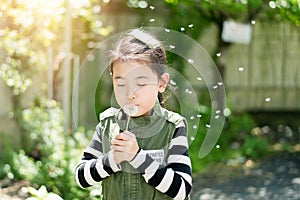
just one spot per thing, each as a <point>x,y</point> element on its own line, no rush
<point>130,109</point>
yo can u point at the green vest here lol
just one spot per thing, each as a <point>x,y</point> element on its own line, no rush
<point>153,133</point>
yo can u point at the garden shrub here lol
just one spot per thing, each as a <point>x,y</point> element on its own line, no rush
<point>51,155</point>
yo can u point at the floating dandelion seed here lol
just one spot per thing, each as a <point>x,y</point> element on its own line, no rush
<point>268,99</point>
<point>192,117</point>
<point>217,116</point>
<point>172,47</point>
<point>152,7</point>
<point>191,26</point>
<point>188,91</point>
<point>195,127</point>
<point>172,82</point>
<point>182,29</point>
<point>152,20</point>
<point>253,22</point>
<point>207,125</point>
<point>218,146</point>
<point>218,111</point>
<point>190,60</point>
<point>192,138</point>
<point>167,30</point>
<point>241,69</point>
<point>215,86</point>
<point>199,115</point>
<point>199,78</point>
<point>219,54</point>
<point>220,83</point>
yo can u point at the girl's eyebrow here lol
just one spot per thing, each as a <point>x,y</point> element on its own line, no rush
<point>119,77</point>
<point>141,77</point>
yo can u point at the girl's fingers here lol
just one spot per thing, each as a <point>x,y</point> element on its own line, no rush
<point>125,142</point>
<point>126,135</point>
<point>117,148</point>
<point>117,142</point>
<point>121,149</point>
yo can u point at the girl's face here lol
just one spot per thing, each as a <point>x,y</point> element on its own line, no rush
<point>138,85</point>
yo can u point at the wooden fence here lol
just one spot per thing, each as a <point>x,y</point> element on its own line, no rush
<point>265,75</point>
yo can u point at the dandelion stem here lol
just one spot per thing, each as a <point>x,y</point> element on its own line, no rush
<point>127,122</point>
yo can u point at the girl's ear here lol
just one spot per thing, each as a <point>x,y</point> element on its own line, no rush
<point>163,82</point>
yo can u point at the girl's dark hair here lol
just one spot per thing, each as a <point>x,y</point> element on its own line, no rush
<point>141,46</point>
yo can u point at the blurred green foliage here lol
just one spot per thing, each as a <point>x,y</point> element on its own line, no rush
<point>43,123</point>
<point>52,154</point>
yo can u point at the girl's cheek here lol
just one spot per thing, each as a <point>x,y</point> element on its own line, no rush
<point>120,94</point>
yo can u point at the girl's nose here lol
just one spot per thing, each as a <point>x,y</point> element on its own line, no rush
<point>131,93</point>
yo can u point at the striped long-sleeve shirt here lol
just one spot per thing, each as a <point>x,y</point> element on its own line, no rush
<point>173,179</point>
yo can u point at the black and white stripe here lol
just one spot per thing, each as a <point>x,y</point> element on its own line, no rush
<point>94,165</point>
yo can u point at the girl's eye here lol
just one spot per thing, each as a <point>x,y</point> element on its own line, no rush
<point>120,83</point>
<point>142,84</point>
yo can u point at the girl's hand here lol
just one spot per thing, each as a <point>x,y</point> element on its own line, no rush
<point>124,146</point>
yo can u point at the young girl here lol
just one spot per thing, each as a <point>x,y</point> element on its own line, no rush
<point>139,151</point>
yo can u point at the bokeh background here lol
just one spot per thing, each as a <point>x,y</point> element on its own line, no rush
<point>254,43</point>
